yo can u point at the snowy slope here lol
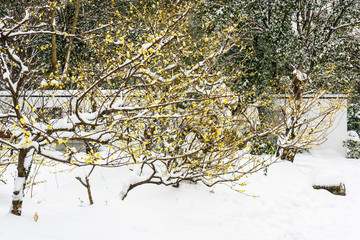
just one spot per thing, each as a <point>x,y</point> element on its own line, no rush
<point>288,206</point>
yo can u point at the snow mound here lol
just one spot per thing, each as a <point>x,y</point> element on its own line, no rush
<point>328,178</point>
<point>352,135</point>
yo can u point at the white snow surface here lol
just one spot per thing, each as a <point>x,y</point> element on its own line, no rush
<point>352,135</point>
<point>288,208</point>
<point>328,177</point>
<point>300,75</point>
<point>62,124</point>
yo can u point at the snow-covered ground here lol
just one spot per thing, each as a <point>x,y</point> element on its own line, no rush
<point>287,207</point>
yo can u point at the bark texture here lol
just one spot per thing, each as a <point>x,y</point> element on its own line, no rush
<point>24,166</point>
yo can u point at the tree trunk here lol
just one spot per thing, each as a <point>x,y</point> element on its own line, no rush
<point>53,42</point>
<point>71,40</point>
<point>87,185</point>
<point>288,153</point>
<point>24,165</point>
<point>89,191</point>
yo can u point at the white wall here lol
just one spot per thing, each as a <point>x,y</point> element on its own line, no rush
<point>338,131</point>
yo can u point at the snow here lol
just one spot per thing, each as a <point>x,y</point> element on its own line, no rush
<point>19,182</point>
<point>300,75</point>
<point>352,135</point>
<point>106,137</point>
<point>88,117</point>
<point>6,75</point>
<point>288,208</point>
<point>119,42</point>
<point>146,46</point>
<point>66,134</point>
<point>28,158</point>
<point>328,177</point>
<point>62,124</point>
<point>43,82</point>
<point>55,82</point>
